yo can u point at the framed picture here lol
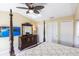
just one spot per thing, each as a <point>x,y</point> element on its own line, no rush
<point>4,31</point>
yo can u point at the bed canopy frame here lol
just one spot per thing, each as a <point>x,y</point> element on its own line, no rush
<point>44,39</point>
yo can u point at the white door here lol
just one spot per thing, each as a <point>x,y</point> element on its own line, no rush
<point>66,33</point>
<point>40,29</point>
<point>77,34</point>
<point>51,32</point>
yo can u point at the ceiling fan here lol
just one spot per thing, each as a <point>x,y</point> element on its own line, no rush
<point>31,6</point>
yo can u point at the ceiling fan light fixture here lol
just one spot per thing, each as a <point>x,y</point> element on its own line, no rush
<point>31,8</point>
<point>30,11</point>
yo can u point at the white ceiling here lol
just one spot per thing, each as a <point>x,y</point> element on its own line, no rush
<point>51,10</point>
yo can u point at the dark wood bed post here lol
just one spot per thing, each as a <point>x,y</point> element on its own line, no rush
<point>44,39</point>
<point>12,53</point>
<point>22,30</point>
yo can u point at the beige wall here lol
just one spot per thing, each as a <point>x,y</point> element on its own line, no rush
<point>77,12</point>
<point>17,19</point>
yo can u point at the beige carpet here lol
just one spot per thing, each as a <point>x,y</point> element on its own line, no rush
<point>49,49</point>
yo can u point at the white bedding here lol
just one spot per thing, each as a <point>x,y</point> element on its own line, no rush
<point>49,49</point>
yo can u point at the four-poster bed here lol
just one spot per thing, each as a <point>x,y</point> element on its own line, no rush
<point>26,39</point>
<point>45,48</point>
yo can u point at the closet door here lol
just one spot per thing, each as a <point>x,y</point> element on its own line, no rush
<point>76,41</point>
<point>51,32</point>
<point>66,33</point>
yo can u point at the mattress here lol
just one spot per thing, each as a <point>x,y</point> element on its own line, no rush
<point>50,49</point>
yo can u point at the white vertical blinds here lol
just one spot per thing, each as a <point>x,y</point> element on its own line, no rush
<point>51,32</point>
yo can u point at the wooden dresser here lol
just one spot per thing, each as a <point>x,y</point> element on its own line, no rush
<point>28,38</point>
<point>26,41</point>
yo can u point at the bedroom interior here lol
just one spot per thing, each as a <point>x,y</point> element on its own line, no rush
<point>39,29</point>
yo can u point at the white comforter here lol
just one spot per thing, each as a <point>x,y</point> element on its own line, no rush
<point>49,49</point>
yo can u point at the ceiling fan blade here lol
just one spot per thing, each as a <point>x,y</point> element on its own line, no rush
<point>35,11</point>
<point>22,7</point>
<point>27,4</point>
<point>39,7</point>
